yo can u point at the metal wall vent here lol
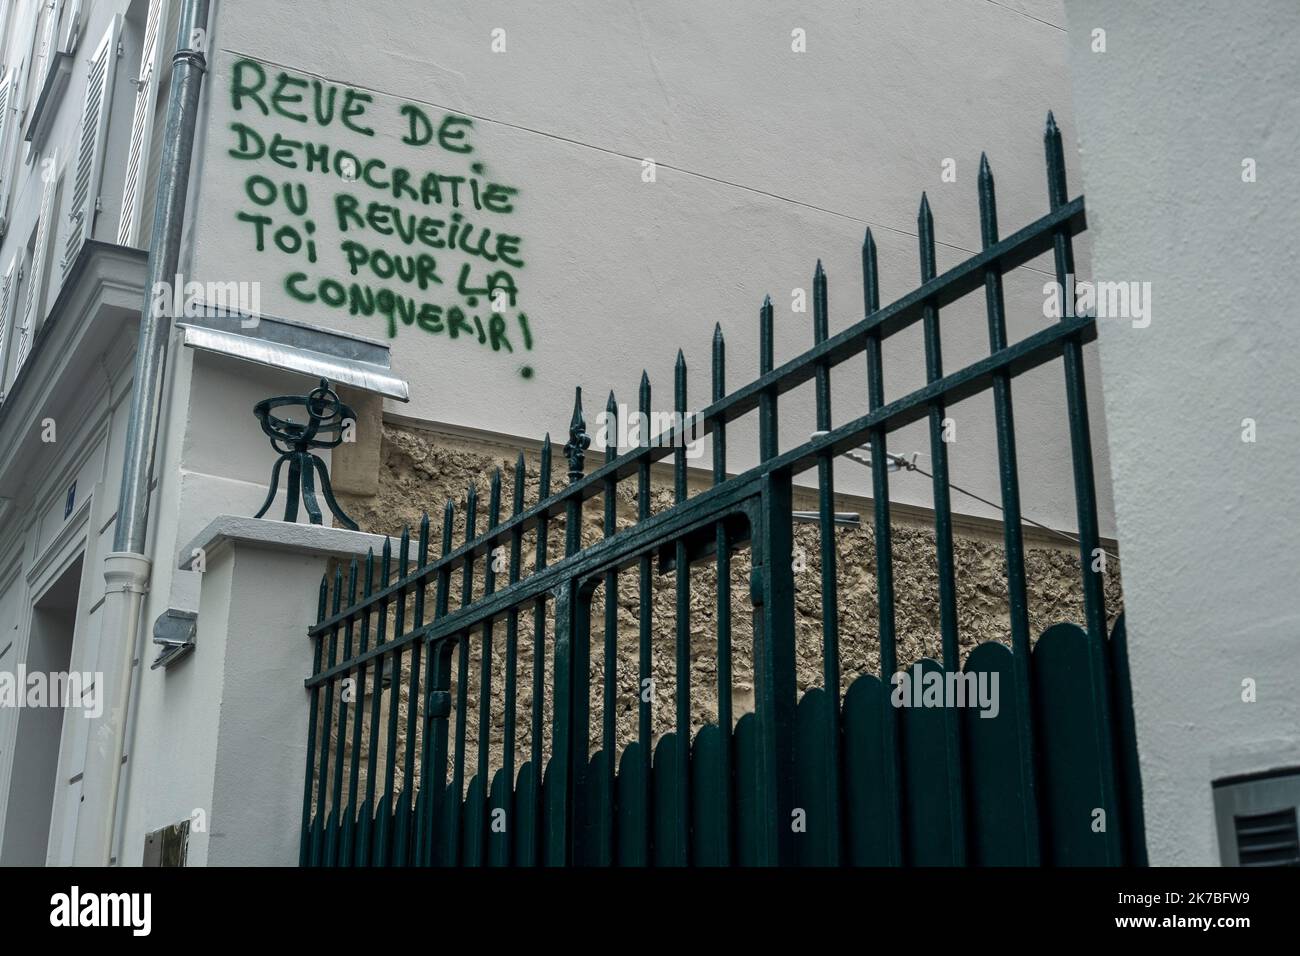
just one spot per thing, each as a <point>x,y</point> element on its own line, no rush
<point>1258,818</point>
<point>1268,839</point>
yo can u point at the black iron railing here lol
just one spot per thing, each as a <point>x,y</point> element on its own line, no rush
<point>828,778</point>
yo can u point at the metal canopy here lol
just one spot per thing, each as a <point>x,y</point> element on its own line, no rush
<point>281,343</point>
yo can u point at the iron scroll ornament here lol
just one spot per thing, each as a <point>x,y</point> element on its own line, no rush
<point>324,428</point>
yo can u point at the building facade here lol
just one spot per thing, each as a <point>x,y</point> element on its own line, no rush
<point>455,214</point>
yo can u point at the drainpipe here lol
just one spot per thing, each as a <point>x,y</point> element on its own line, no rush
<point>126,568</point>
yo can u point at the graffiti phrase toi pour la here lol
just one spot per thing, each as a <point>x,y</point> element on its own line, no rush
<point>377,274</point>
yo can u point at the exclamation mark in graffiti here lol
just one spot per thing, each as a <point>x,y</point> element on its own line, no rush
<point>527,370</point>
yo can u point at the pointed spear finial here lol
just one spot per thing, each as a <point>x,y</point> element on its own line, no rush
<point>517,506</point>
<point>766,348</point>
<point>579,441</point>
<point>544,473</point>
<point>820,309</point>
<point>448,517</point>
<point>870,279</point>
<point>1056,188</point>
<point>611,427</point>
<point>494,499</point>
<point>925,237</point>
<point>988,204</point>
<point>719,363</point>
<point>679,381</point>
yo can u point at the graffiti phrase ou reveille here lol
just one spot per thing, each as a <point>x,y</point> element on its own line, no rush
<point>416,246</point>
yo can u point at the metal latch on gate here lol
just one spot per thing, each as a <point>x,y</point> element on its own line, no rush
<point>439,704</point>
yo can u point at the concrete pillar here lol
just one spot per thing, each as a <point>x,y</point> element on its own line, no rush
<point>258,596</point>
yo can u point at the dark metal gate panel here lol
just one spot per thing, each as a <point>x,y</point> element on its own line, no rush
<point>824,780</point>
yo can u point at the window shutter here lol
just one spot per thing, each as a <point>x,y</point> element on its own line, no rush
<point>7,298</point>
<point>73,33</point>
<point>6,85</point>
<point>90,154</point>
<point>31,315</point>
<point>45,52</point>
<point>128,229</point>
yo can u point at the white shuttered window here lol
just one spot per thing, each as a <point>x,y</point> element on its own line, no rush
<point>89,167</point>
<point>7,120</point>
<point>8,296</point>
<point>33,300</point>
<point>128,230</point>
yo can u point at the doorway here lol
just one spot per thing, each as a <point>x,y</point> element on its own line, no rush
<point>40,729</point>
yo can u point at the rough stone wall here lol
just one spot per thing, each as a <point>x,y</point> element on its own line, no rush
<point>420,470</point>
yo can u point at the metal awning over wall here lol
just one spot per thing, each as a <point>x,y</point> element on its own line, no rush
<point>281,343</point>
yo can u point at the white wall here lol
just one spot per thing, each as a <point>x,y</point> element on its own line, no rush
<point>767,160</point>
<point>1207,522</point>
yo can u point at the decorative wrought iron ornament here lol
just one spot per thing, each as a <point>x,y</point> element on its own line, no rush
<point>579,441</point>
<point>326,418</point>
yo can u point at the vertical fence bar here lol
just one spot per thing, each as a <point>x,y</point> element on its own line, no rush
<point>1085,489</point>
<point>943,532</point>
<point>304,846</point>
<point>437,709</point>
<point>682,669</point>
<point>723,564</point>
<point>373,822</point>
<point>558,823</point>
<point>893,782</point>
<point>1009,479</point>
<point>532,841</point>
<point>772,591</point>
<point>389,832</point>
<point>324,834</point>
<point>605,835</point>
<point>406,806</point>
<point>644,684</point>
<point>512,651</point>
<point>456,797</point>
<point>342,842</point>
<point>768,439</point>
<point>830,584</point>
<point>572,651</point>
<point>360,830</point>
<point>774,684</point>
<point>485,657</point>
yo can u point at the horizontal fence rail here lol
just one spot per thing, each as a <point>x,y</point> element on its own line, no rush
<point>827,778</point>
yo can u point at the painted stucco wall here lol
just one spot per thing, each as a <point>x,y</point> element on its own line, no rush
<point>765,160</point>
<point>1167,116</point>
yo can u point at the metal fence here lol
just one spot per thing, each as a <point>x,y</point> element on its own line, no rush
<point>825,779</point>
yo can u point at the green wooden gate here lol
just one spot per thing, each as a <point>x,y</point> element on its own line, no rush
<point>823,780</point>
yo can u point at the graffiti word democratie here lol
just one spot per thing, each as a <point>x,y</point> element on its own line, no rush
<point>419,246</point>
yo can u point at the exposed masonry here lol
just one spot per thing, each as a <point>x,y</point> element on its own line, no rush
<point>420,469</point>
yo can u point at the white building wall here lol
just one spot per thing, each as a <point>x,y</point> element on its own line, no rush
<point>1207,520</point>
<point>766,160</point>
<point>36,539</point>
